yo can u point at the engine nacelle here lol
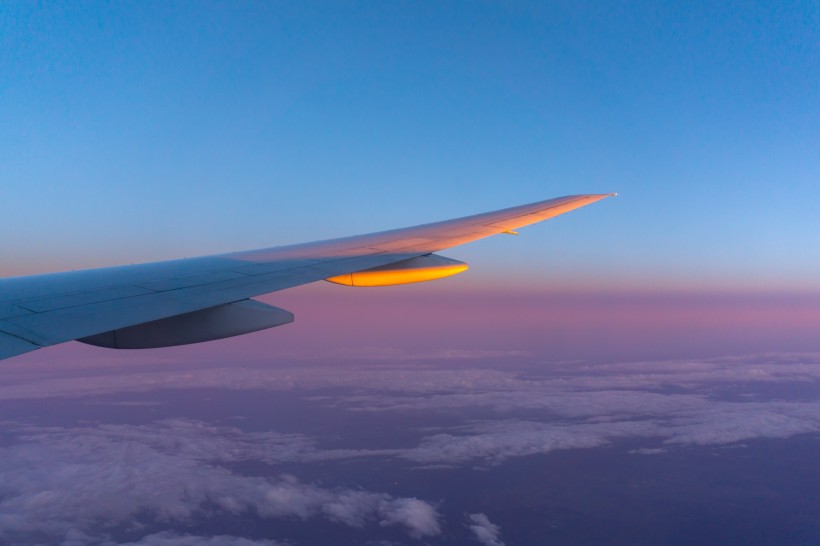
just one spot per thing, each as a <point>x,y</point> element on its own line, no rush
<point>423,268</point>
<point>218,322</point>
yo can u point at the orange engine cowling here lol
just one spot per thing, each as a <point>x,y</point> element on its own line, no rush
<point>423,268</point>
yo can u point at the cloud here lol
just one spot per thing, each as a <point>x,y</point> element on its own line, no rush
<point>710,423</point>
<point>538,409</point>
<point>648,451</point>
<point>413,377</point>
<point>58,483</point>
<point>417,377</point>
<point>725,422</point>
<point>418,516</point>
<point>496,441</point>
<point>173,539</point>
<point>486,532</point>
<point>200,441</point>
<point>398,377</point>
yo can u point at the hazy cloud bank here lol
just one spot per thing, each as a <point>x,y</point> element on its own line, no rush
<point>415,377</point>
<point>75,484</point>
<point>64,483</point>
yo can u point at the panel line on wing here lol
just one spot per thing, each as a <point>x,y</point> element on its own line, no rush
<point>83,298</point>
<point>11,345</point>
<point>12,310</point>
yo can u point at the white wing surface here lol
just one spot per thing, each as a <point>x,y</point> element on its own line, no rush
<point>115,306</point>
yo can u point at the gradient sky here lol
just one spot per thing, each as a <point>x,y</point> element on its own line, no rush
<point>138,131</point>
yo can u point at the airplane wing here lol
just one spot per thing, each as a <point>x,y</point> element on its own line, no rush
<point>185,301</point>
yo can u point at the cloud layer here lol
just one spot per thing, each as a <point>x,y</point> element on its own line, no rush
<point>81,484</point>
<point>64,483</point>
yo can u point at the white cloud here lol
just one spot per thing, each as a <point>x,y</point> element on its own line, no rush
<point>725,422</point>
<point>495,441</point>
<point>61,482</point>
<point>534,411</point>
<point>709,423</point>
<point>418,516</point>
<point>486,532</point>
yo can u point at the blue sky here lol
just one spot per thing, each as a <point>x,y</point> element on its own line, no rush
<point>140,131</point>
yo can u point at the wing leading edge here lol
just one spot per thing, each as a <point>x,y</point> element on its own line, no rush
<point>41,310</point>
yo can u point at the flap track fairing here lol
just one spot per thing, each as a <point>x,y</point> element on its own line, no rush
<point>231,319</point>
<point>423,268</point>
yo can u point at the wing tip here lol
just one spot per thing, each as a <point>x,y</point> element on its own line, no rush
<point>596,196</point>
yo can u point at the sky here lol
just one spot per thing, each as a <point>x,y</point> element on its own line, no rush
<point>644,370</point>
<point>132,133</point>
